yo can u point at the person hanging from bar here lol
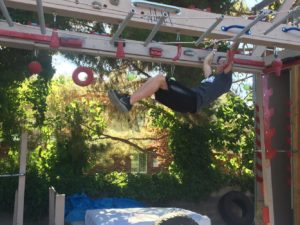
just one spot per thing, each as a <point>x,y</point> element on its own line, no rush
<point>178,97</point>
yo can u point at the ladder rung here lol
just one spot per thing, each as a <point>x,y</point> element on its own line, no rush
<point>5,13</point>
<point>41,16</point>
<point>155,29</point>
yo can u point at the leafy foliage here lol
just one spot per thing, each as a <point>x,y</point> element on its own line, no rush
<point>191,154</point>
<point>232,135</point>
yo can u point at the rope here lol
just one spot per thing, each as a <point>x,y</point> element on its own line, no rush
<point>12,175</point>
<point>140,70</point>
<point>189,42</point>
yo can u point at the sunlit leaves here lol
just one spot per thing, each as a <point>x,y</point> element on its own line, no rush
<point>233,135</point>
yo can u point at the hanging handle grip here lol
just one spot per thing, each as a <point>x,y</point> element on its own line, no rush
<point>227,28</point>
<point>287,29</point>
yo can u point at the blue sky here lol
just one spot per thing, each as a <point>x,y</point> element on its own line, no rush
<point>251,3</point>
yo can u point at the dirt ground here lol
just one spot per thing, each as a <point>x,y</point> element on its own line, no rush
<point>7,219</point>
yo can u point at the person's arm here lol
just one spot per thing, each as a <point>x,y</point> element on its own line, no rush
<point>228,66</point>
<point>207,62</point>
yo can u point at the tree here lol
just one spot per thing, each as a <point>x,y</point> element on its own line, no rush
<point>232,135</point>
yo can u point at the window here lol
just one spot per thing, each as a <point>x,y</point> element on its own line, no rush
<point>139,163</point>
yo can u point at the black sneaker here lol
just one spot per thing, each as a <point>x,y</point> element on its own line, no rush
<point>121,101</point>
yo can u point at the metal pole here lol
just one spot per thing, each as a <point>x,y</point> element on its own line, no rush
<point>21,185</point>
<point>155,29</point>
<point>122,27</point>
<point>5,13</point>
<point>41,16</point>
<point>213,26</point>
<point>246,28</point>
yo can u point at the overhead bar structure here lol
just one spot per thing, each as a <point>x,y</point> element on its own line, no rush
<point>155,29</point>
<point>40,11</point>
<point>289,15</point>
<point>122,27</point>
<point>29,37</point>
<point>212,27</point>
<point>188,22</point>
<point>5,13</point>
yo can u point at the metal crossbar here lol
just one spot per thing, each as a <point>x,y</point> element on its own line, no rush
<point>213,26</point>
<point>122,27</point>
<point>5,13</point>
<point>246,28</point>
<point>155,29</point>
<point>12,175</point>
<point>40,11</point>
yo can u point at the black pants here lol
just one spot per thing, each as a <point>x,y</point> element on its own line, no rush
<point>178,97</point>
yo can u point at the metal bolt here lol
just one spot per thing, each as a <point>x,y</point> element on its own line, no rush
<point>96,5</point>
<point>114,2</point>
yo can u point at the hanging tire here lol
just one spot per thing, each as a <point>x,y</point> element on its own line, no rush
<point>89,79</point>
<point>236,209</point>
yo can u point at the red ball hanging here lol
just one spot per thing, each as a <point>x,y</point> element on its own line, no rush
<point>34,67</point>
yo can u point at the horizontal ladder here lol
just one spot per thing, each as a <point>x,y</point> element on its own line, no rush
<point>29,37</point>
<point>187,22</point>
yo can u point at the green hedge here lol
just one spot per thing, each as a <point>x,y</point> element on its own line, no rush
<point>150,189</point>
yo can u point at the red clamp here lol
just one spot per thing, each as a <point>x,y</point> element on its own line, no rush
<point>54,42</point>
<point>266,215</point>
<point>179,52</point>
<point>155,52</point>
<point>70,42</point>
<point>230,57</point>
<point>120,50</point>
<point>275,67</point>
